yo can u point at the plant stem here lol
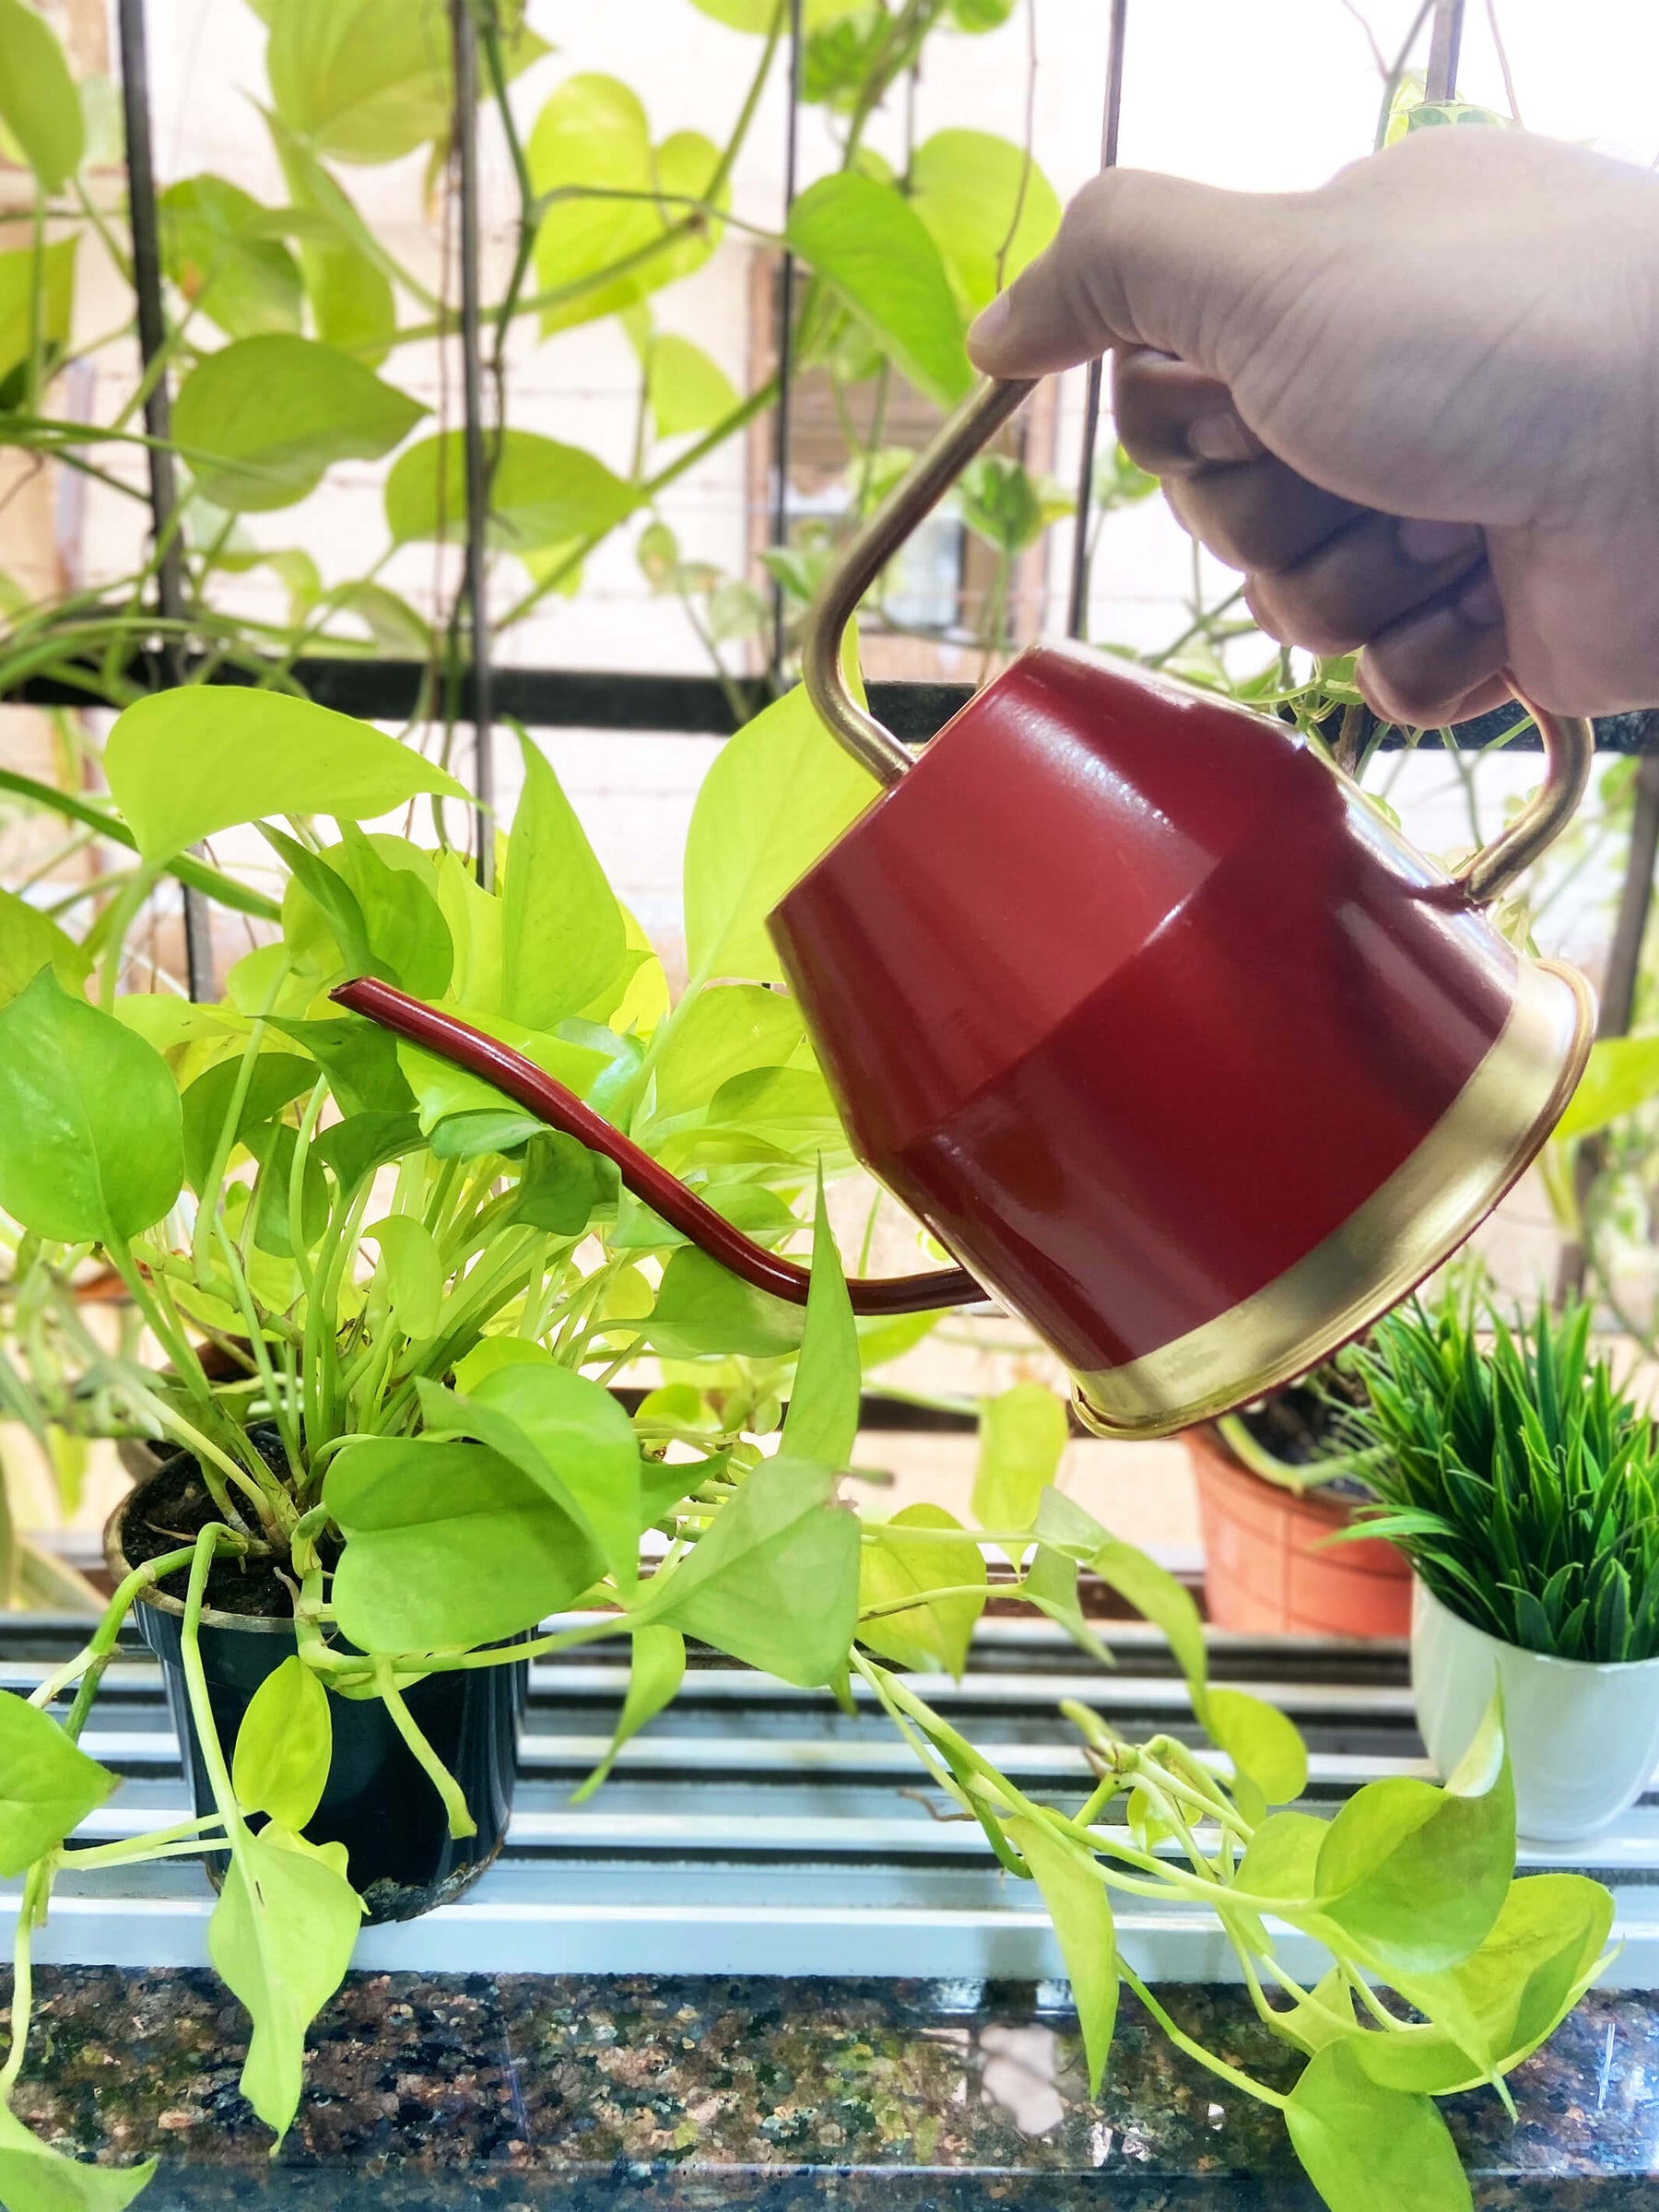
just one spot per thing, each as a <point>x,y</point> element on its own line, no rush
<point>195,1680</point>
<point>928,1597</point>
<point>461,1822</point>
<point>185,1836</point>
<point>90,1662</point>
<point>22,2004</point>
<point>1182,2041</point>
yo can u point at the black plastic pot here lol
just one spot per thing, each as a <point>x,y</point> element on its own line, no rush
<point>402,1859</point>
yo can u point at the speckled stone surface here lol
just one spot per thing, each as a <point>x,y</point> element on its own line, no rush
<point>524,2093</point>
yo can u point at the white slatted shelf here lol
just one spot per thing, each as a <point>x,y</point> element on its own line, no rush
<point>756,1828</point>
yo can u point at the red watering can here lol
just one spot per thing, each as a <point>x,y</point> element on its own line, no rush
<point>1145,1010</point>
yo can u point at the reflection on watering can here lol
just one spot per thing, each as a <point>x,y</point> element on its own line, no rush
<point>1145,1010</point>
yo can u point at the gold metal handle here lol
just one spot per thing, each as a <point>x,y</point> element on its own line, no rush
<point>1569,740</point>
<point>920,489</point>
<point>1568,749</point>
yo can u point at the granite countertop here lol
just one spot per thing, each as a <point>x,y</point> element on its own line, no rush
<point>520,2093</point>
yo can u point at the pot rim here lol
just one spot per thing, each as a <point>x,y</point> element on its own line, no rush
<point>1423,1596</point>
<point>1214,1456</point>
<point>119,1566</point>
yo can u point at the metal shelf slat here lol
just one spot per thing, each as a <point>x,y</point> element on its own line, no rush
<point>758,1829</point>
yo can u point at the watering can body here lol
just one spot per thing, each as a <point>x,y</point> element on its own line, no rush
<point>1151,1016</point>
<point>1153,1019</point>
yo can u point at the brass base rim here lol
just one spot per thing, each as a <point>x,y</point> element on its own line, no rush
<point>1385,1287</point>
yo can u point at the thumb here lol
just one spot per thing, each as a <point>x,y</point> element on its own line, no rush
<point>1142,259</point>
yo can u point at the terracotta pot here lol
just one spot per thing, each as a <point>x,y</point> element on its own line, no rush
<point>1267,1570</point>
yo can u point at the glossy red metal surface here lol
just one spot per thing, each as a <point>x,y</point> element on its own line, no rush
<point>539,1093</point>
<point>1132,1000</point>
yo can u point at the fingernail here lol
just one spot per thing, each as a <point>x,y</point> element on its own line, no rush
<point>1222,437</point>
<point>990,328</point>
<point>1431,543</point>
<point>1482,605</point>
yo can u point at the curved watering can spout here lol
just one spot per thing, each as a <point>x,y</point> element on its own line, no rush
<point>538,1093</point>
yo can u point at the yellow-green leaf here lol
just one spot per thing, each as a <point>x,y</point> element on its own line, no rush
<point>35,2177</point>
<point>284,1746</point>
<point>654,1674</point>
<point>368,80</point>
<point>562,935</point>
<point>263,419</point>
<point>1080,1908</point>
<point>822,1421</point>
<point>1023,1435</point>
<point>592,138</point>
<point>48,1785</point>
<point>933,1631</point>
<point>280,1938</point>
<point>1368,2148</point>
<point>1259,1740</point>
<point>39,103</point>
<point>779,794</point>
<point>91,1136</point>
<point>29,941</point>
<point>541,494</point>
<point>760,16</point>
<point>217,247</point>
<point>1622,1073</point>
<point>687,390</point>
<point>17,301</point>
<point>183,764</point>
<point>987,206</point>
<point>1418,1876</point>
<point>414,1272</point>
<point>870,246</point>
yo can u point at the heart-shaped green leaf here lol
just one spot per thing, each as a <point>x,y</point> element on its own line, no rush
<point>280,1939</point>
<point>591,139</point>
<point>183,764</point>
<point>285,1746</point>
<point>867,242</point>
<point>447,1544</point>
<point>1371,2150</point>
<point>774,1581</point>
<point>48,1785</point>
<point>263,420</point>
<point>929,1632</point>
<point>92,1143</point>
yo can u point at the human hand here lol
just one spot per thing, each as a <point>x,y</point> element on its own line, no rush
<point>1419,407</point>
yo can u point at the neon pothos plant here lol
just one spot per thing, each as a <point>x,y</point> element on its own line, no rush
<point>286,321</point>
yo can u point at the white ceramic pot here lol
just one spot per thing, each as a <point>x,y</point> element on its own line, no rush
<point>1584,1739</point>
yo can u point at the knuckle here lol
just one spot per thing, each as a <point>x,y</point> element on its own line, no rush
<point>1417,682</point>
<point>1235,523</point>
<point>1262,613</point>
<point>1306,609</point>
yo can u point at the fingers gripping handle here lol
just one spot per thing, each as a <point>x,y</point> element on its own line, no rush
<point>1569,740</point>
<point>538,1093</point>
<point>1568,749</point>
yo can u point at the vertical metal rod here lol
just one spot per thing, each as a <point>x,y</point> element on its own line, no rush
<point>475,590</point>
<point>786,293</point>
<point>157,411</point>
<point>1619,985</point>
<point>1635,896</point>
<point>1445,48</point>
<point>1076,616</point>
